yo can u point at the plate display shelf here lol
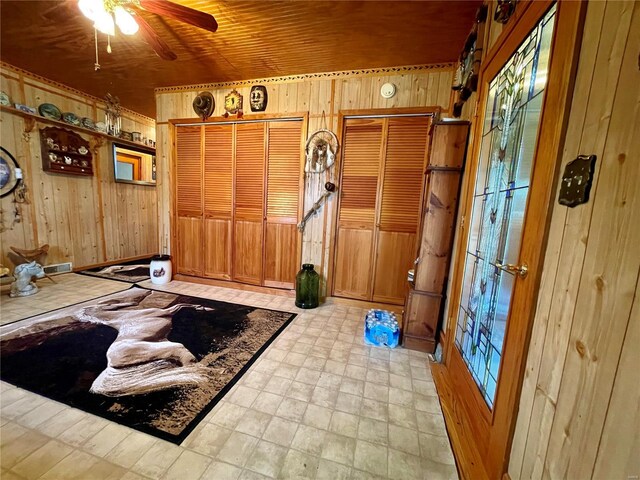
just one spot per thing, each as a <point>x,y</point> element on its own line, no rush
<point>31,119</point>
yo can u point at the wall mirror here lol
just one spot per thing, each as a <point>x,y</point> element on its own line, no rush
<point>134,164</point>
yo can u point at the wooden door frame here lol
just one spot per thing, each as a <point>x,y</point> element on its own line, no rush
<point>490,460</point>
<point>173,163</point>
<point>433,111</point>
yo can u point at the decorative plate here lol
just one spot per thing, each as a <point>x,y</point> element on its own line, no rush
<point>4,99</point>
<point>26,108</point>
<point>49,110</point>
<point>83,150</point>
<point>101,127</point>
<point>88,123</point>
<point>10,174</point>
<point>71,118</point>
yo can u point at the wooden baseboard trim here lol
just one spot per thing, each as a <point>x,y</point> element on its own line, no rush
<point>230,284</point>
<point>468,460</point>
<point>114,262</point>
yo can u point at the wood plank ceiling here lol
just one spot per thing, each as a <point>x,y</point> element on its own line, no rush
<point>255,39</point>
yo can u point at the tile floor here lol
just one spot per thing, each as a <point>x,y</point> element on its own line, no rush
<point>318,404</point>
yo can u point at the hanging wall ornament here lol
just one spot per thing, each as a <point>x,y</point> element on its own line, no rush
<point>504,10</point>
<point>466,77</point>
<point>112,115</point>
<point>204,104</point>
<point>10,173</point>
<point>258,98</point>
<point>320,153</point>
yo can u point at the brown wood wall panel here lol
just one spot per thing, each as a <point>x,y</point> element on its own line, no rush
<point>217,248</point>
<point>247,251</point>
<point>417,87</point>
<point>578,410</point>
<point>283,169</point>
<point>360,168</point>
<point>394,258</point>
<point>190,252</point>
<point>438,227</point>
<point>353,263</point>
<point>188,170</point>
<point>249,174</point>
<point>280,255</point>
<point>404,166</point>
<point>218,170</point>
<point>85,220</point>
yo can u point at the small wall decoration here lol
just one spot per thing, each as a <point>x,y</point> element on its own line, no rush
<point>258,98</point>
<point>504,10</point>
<point>10,173</point>
<point>112,120</point>
<point>320,153</point>
<point>576,181</point>
<point>466,80</point>
<point>64,151</point>
<point>204,104</point>
<point>233,102</point>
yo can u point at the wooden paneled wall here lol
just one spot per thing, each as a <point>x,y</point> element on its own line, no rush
<point>85,220</point>
<point>579,414</point>
<point>417,86</point>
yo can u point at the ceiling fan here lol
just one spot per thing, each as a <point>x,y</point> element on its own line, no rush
<point>128,16</point>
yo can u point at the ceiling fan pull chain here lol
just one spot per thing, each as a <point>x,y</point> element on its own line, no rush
<point>96,65</point>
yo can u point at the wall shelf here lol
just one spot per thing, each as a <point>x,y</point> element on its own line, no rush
<point>32,118</point>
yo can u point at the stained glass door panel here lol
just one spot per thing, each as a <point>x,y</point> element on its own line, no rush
<point>509,137</point>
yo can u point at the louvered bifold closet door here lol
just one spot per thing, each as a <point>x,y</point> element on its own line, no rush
<point>249,202</point>
<point>403,175</point>
<point>362,142</point>
<point>282,241</point>
<point>189,200</point>
<point>218,200</point>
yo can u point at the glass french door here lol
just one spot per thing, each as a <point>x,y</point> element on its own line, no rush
<point>492,265</point>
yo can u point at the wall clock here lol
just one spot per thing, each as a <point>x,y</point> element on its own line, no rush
<point>233,102</point>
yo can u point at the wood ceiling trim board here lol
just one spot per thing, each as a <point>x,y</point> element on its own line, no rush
<point>405,69</point>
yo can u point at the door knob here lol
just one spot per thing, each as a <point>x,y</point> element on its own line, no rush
<point>520,270</point>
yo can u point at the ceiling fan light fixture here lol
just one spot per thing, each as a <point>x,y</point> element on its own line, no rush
<point>104,23</point>
<point>125,21</point>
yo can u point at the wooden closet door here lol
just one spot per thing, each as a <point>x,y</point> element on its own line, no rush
<point>357,212</point>
<point>249,203</point>
<point>282,245</point>
<point>403,174</point>
<point>218,200</point>
<point>189,200</point>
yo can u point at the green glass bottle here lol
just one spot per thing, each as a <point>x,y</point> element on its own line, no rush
<point>307,287</point>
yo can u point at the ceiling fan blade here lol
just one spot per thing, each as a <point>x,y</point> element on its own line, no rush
<point>181,13</point>
<point>154,41</point>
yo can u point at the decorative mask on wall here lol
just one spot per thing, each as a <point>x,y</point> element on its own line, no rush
<point>258,98</point>
<point>204,104</point>
<point>504,10</point>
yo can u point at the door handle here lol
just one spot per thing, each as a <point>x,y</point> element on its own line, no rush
<point>520,270</point>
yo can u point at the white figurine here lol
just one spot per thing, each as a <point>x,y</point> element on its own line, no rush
<point>23,286</point>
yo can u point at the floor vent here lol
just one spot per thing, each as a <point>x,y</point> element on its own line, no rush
<point>57,268</point>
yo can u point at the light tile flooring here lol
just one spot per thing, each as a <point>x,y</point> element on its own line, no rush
<point>318,403</point>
